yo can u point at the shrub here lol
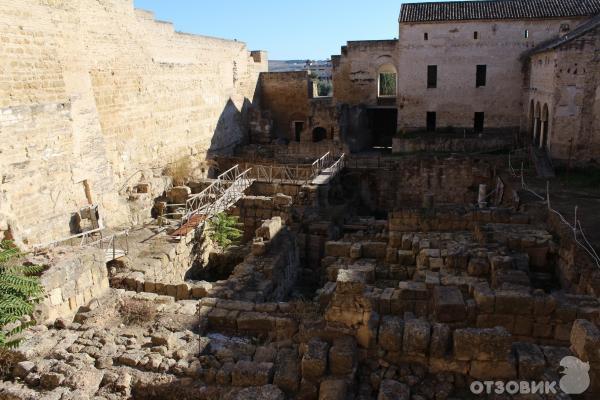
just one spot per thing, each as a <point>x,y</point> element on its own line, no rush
<point>180,171</point>
<point>20,290</point>
<point>224,230</point>
<point>137,312</point>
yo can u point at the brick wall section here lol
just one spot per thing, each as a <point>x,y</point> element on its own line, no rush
<point>97,91</point>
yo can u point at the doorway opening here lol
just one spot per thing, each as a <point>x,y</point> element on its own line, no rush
<point>431,121</point>
<point>383,123</point>
<point>319,134</point>
<point>298,128</point>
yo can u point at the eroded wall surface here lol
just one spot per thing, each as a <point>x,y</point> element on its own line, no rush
<point>97,92</point>
<point>567,80</point>
<point>286,95</point>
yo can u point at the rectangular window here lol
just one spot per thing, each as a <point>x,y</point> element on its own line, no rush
<point>481,75</point>
<point>479,122</point>
<point>426,36</point>
<point>387,84</point>
<point>431,121</point>
<point>475,35</point>
<point>526,34</point>
<point>431,76</point>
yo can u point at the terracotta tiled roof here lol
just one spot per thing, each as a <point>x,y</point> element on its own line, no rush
<point>497,9</point>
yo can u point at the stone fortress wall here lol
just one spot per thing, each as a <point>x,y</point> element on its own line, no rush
<point>96,94</point>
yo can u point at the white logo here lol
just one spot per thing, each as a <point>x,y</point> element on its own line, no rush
<point>576,379</point>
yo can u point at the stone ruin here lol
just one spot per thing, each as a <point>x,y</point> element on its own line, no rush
<point>359,275</point>
<point>317,302</point>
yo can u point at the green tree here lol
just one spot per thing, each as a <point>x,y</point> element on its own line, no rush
<point>20,290</point>
<point>224,230</point>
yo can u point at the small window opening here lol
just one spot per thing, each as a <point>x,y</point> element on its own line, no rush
<point>387,84</point>
<point>526,34</point>
<point>475,35</point>
<point>431,76</point>
<point>481,78</point>
<point>426,36</point>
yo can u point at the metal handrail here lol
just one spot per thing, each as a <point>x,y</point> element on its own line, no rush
<point>219,195</point>
<point>84,236</point>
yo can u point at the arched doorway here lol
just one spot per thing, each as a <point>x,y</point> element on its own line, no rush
<point>387,81</point>
<point>545,125</point>
<point>319,134</point>
<point>531,119</point>
<point>538,126</point>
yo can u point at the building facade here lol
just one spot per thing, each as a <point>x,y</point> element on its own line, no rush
<point>463,67</point>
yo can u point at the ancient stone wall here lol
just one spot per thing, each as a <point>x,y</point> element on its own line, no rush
<point>72,280</point>
<point>355,72</point>
<point>451,143</point>
<point>404,182</point>
<point>567,80</point>
<point>96,94</point>
<point>285,95</point>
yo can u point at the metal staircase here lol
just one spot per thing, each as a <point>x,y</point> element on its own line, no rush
<point>221,195</point>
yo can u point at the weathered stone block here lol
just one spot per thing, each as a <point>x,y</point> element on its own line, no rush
<point>391,331</point>
<point>314,361</point>
<point>417,334</point>
<point>484,298</point>
<point>440,340</point>
<point>531,361</point>
<point>287,371</point>
<point>247,373</point>
<point>585,340</point>
<point>333,389</point>
<point>493,370</point>
<point>342,356</point>
<point>406,257</point>
<point>449,304</point>
<point>338,249</point>
<point>410,290</point>
<point>513,302</point>
<point>393,390</point>
<point>350,282</point>
<point>255,322</point>
<point>482,344</point>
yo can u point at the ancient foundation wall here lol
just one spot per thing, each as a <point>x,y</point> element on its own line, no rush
<point>403,183</point>
<point>73,280</point>
<point>96,97</point>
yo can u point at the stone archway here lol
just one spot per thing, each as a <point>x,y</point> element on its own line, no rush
<point>537,130</point>
<point>545,127</point>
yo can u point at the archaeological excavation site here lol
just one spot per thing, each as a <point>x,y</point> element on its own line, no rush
<point>179,222</point>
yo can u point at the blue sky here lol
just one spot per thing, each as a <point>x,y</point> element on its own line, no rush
<point>306,29</point>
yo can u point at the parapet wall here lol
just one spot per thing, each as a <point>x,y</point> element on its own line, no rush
<point>95,93</point>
